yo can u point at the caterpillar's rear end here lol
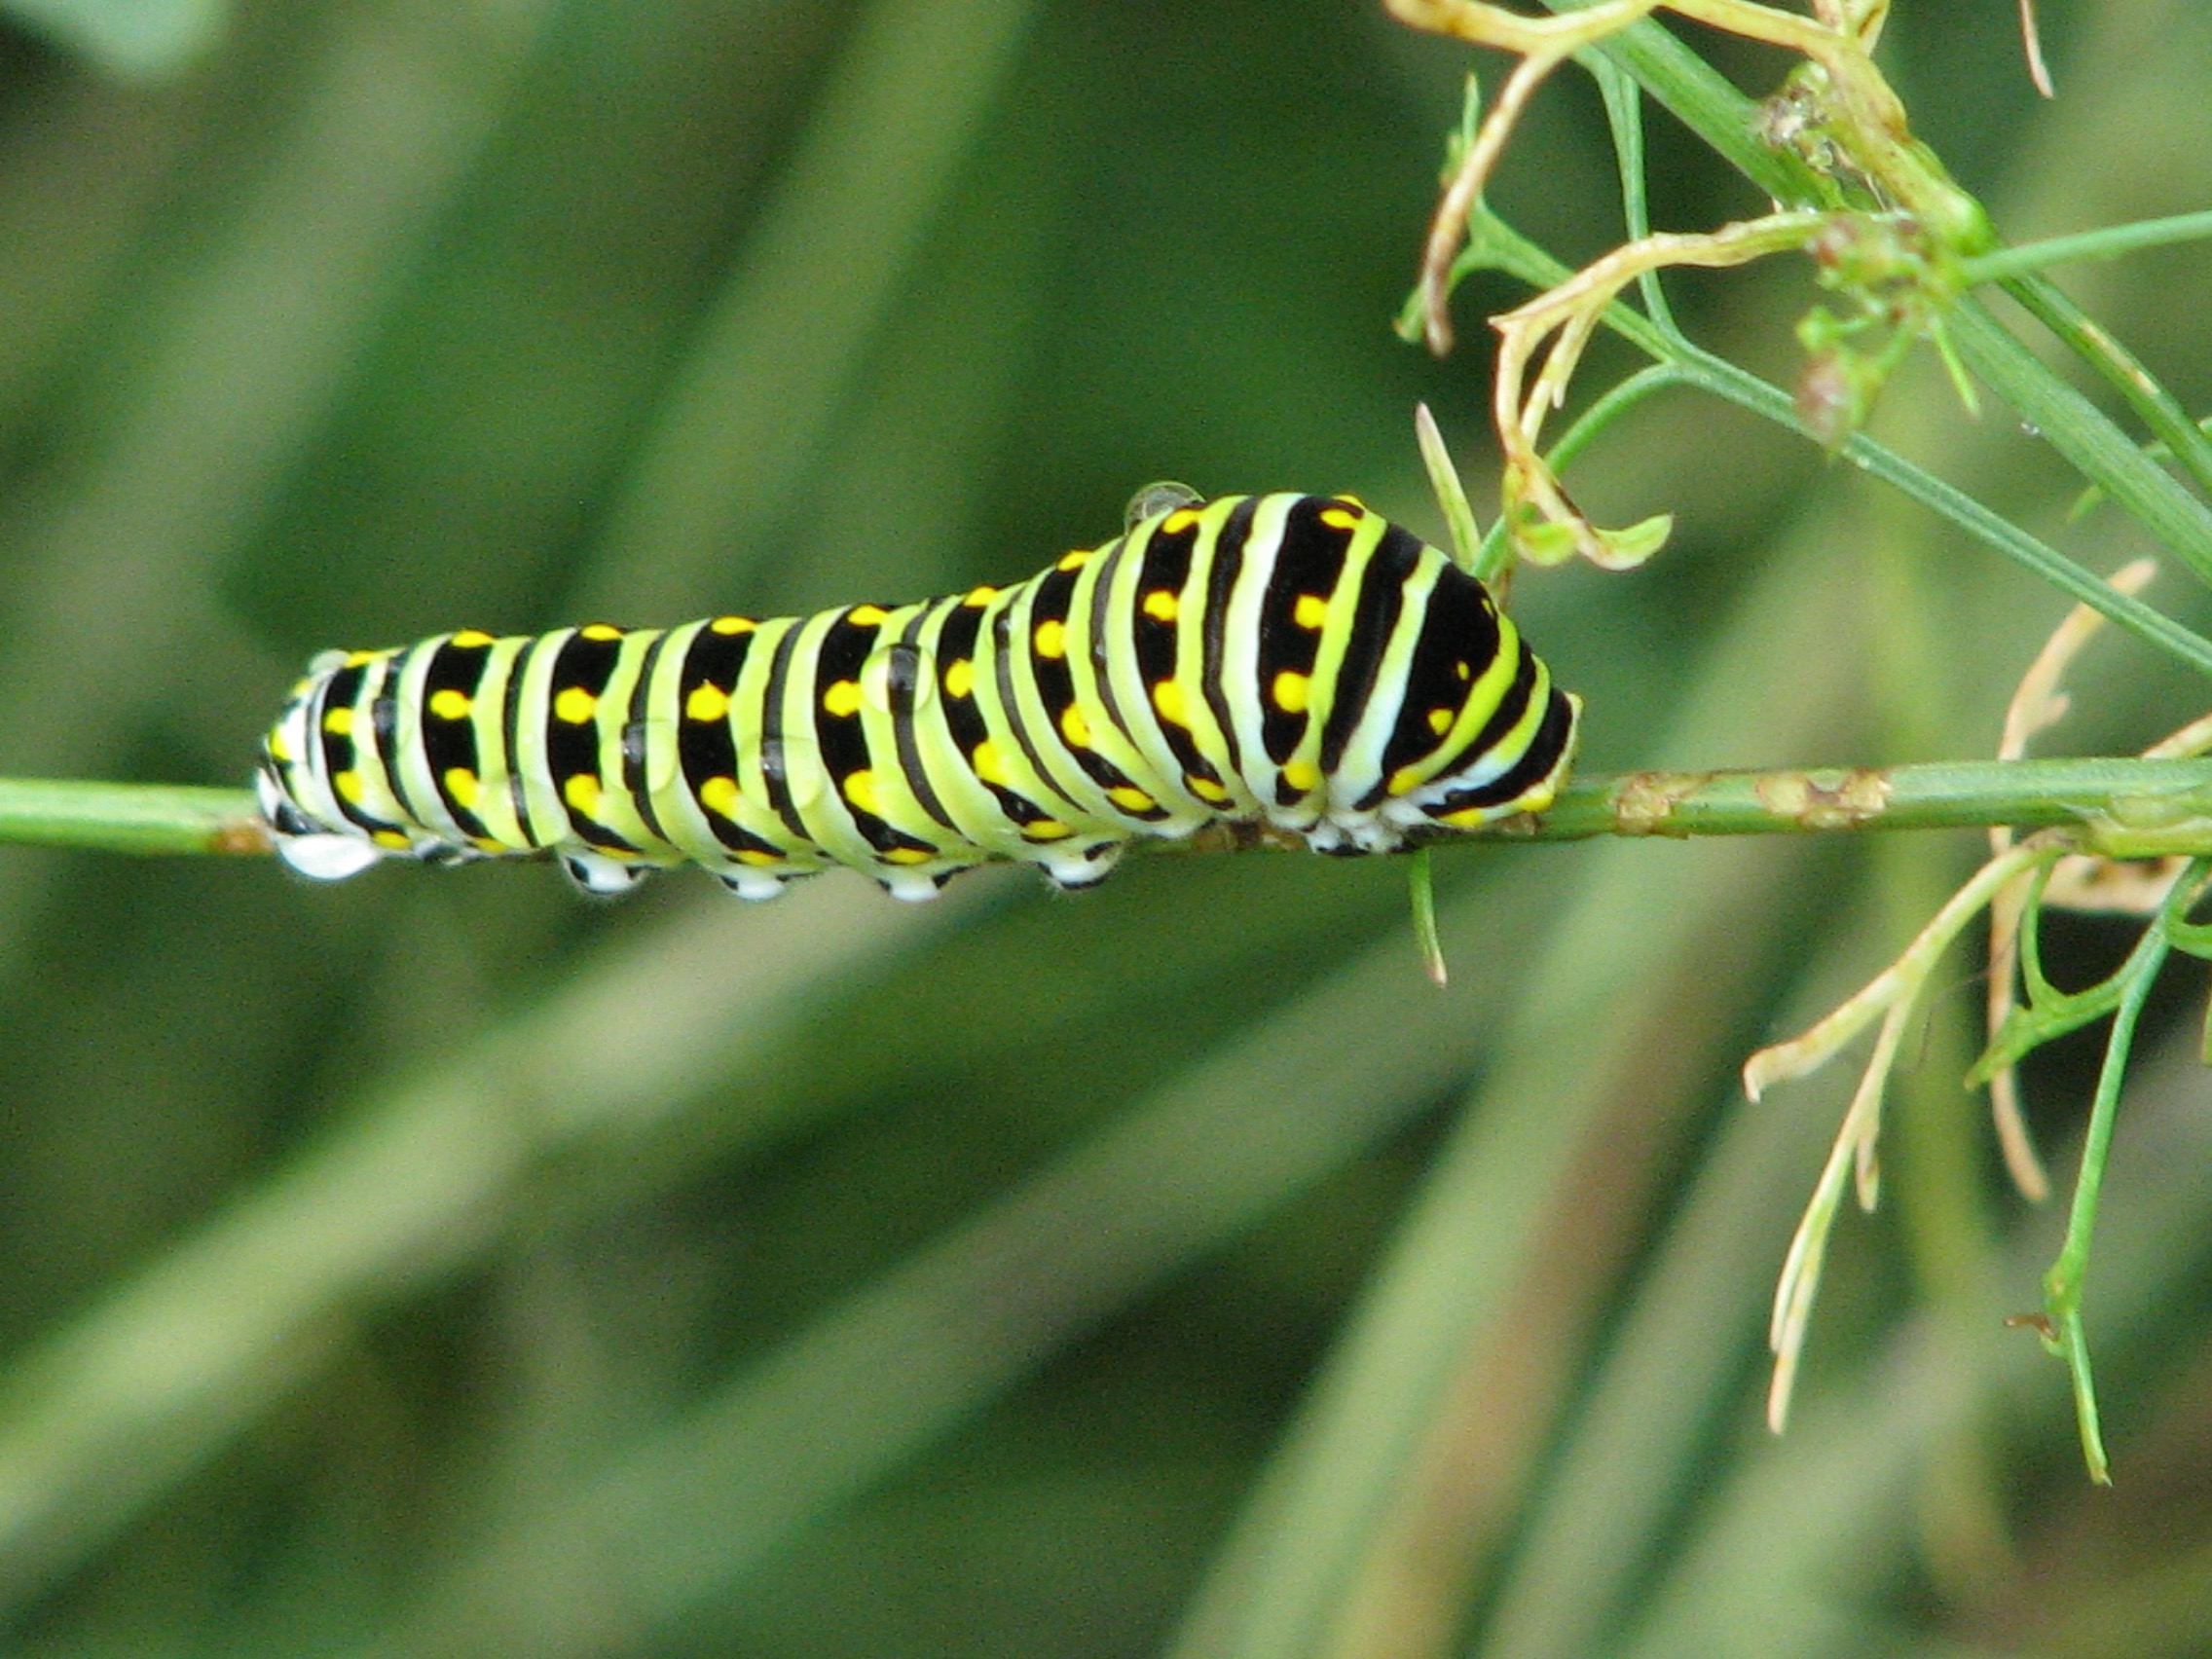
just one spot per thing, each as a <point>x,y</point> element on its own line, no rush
<point>1294,660</point>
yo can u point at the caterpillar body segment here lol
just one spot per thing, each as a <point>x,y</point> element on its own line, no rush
<point>1288,659</point>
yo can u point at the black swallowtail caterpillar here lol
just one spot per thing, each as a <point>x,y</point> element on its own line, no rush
<point>1296,660</point>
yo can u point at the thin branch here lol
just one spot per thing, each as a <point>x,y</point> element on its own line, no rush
<point>130,817</point>
<point>2117,807</point>
<point>2109,243</point>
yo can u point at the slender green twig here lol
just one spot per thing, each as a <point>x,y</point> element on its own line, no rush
<point>1722,116</point>
<point>2109,243</point>
<point>2122,807</point>
<point>130,817</point>
<point>2101,449</point>
<point>1624,114</point>
<point>2089,341</point>
<point>2079,430</point>
<point>2063,1284</point>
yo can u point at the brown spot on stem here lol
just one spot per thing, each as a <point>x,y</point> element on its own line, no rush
<point>243,838</point>
<point>1833,799</point>
<point>2042,1325</point>
<point>1644,802</point>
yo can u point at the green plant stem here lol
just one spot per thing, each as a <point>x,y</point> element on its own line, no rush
<point>1698,95</point>
<point>2089,341</point>
<point>2124,807</point>
<point>2109,243</point>
<point>2063,1284</point>
<point>1616,400</point>
<point>2099,449</point>
<point>1422,884</point>
<point>130,817</point>
<point>2077,429</point>
<point>2116,800</point>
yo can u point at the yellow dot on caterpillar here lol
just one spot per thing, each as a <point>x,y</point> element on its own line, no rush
<point>733,625</point>
<point>1463,670</point>
<point>719,795</point>
<point>843,698</point>
<point>1405,778</point>
<point>1310,610</point>
<point>1167,698</point>
<point>602,632</point>
<point>1302,776</point>
<point>860,790</point>
<point>1177,522</point>
<point>348,787</point>
<point>707,702</point>
<point>582,793</point>
<point>1208,790</point>
<point>1130,798</point>
<point>1074,727</point>
<point>1440,720</point>
<point>959,678</point>
<point>339,722</point>
<point>1337,518</point>
<point>391,840</point>
<point>464,785</point>
<point>1290,691</point>
<point>362,659</point>
<point>979,597</point>
<point>484,845</point>
<point>1051,639</point>
<point>1349,501</point>
<point>449,704</point>
<point>866,615</point>
<point>1162,604</point>
<point>1536,800</point>
<point>759,858</point>
<point>472,640</point>
<point>1046,830</point>
<point>1074,560</point>
<point>909,855</point>
<point>575,706</point>
<point>279,747</point>
<point>990,763</point>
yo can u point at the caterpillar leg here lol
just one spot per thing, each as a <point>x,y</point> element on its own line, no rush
<point>754,886</point>
<point>327,857</point>
<point>1351,837</point>
<point>917,886</point>
<point>595,872</point>
<point>303,844</point>
<point>1073,868</point>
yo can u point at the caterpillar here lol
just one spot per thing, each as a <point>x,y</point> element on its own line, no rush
<point>1292,660</point>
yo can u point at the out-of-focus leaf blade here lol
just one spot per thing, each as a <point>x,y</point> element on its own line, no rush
<point>137,39</point>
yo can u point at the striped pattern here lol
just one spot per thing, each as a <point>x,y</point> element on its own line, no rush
<point>1296,660</point>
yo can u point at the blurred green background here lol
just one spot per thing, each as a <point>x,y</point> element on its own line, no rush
<point>443,1264</point>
